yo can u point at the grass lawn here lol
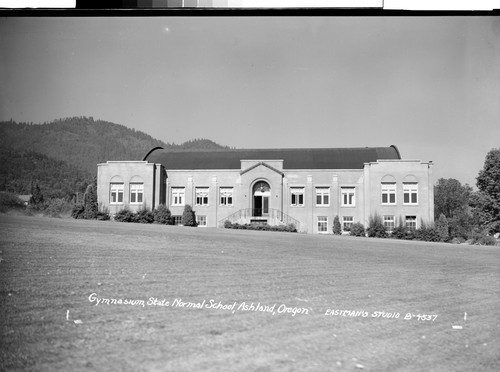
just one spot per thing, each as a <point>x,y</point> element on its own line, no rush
<point>49,269</point>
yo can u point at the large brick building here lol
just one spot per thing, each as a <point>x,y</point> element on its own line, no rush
<point>307,187</point>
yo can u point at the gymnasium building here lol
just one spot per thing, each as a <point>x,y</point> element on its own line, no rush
<point>306,187</point>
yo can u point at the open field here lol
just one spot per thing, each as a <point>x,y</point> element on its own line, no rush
<point>52,266</point>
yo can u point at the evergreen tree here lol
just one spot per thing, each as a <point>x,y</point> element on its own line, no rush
<point>337,228</point>
<point>188,216</point>
<point>442,228</point>
<point>36,195</point>
<point>376,228</point>
<point>162,215</point>
<point>90,202</point>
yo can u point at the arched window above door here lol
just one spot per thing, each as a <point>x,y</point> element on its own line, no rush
<point>261,186</point>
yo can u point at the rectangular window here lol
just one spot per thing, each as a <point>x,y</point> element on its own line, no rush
<point>116,193</point>
<point>322,225</point>
<point>323,196</point>
<point>136,193</point>
<point>411,223</point>
<point>226,196</point>
<point>389,193</point>
<point>201,221</point>
<point>297,196</point>
<point>202,196</point>
<point>177,220</point>
<point>410,193</point>
<point>389,223</point>
<point>348,196</point>
<point>178,195</point>
<point>347,222</point>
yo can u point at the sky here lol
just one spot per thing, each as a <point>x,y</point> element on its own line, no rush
<point>429,85</point>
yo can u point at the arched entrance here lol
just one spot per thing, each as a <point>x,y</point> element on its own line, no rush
<point>261,193</point>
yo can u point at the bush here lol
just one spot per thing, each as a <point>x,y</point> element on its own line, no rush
<point>481,238</point>
<point>427,234</point>
<point>260,227</point>
<point>399,232</point>
<point>143,216</point>
<point>376,228</point>
<point>442,228</point>
<point>337,228</point>
<point>10,201</point>
<point>457,241</point>
<point>124,215</point>
<point>162,215</point>
<point>36,195</point>
<point>103,215</point>
<point>357,229</point>
<point>78,211</point>
<point>56,207</point>
<point>188,217</point>
<point>460,226</point>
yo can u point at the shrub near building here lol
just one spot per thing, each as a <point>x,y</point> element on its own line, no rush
<point>337,228</point>
<point>376,228</point>
<point>260,226</point>
<point>357,229</point>
<point>188,217</point>
<point>162,215</point>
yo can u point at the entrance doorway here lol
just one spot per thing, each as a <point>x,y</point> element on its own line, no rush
<point>261,195</point>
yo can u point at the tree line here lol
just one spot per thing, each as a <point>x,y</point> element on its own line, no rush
<point>467,211</point>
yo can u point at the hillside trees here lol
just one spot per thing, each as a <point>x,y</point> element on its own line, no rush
<point>83,142</point>
<point>56,179</point>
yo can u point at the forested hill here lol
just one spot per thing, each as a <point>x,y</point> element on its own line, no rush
<point>63,155</point>
<point>84,142</point>
<point>21,170</point>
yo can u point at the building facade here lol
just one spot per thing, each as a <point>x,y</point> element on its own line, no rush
<point>306,187</point>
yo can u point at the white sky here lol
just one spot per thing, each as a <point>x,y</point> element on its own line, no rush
<point>430,85</point>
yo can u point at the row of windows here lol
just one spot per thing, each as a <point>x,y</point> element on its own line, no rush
<point>389,222</point>
<point>347,195</point>
<point>136,193</point>
<point>347,222</point>
<point>296,196</point>
<point>410,193</point>
<point>201,196</point>
<point>201,221</point>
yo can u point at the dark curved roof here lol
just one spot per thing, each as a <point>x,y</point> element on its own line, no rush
<point>335,158</point>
